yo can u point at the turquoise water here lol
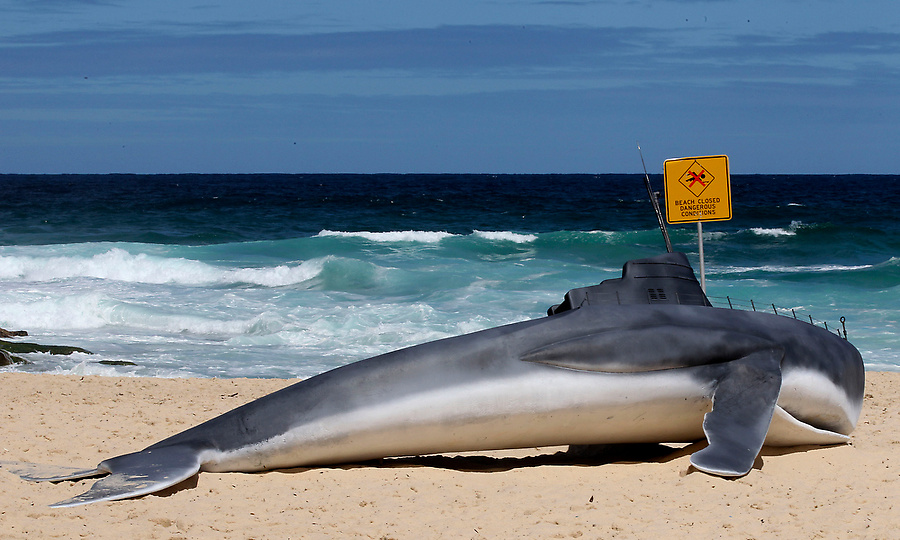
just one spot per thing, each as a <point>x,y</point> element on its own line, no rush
<point>290,275</point>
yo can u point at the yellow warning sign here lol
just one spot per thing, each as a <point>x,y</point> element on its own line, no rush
<point>697,189</point>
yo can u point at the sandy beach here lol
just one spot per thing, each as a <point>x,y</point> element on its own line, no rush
<point>848,491</point>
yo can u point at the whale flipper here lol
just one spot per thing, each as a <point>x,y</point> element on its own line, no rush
<point>140,473</point>
<point>743,404</point>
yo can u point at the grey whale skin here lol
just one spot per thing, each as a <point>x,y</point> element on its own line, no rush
<point>642,358</point>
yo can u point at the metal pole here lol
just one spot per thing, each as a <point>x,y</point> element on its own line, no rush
<point>702,262</point>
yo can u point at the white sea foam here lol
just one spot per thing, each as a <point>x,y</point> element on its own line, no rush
<point>505,236</point>
<point>428,237</point>
<point>115,264</point>
<point>278,276</point>
<point>776,232</point>
<point>62,312</point>
<point>198,323</point>
<point>814,268</point>
<point>92,311</point>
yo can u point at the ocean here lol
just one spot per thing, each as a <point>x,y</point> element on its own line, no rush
<point>272,275</point>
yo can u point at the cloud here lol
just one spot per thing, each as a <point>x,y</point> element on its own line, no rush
<point>466,48</point>
<point>602,54</point>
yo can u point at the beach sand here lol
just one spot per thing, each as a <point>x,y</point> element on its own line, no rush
<point>847,491</point>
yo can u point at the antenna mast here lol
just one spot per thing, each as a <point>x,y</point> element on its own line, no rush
<point>655,202</point>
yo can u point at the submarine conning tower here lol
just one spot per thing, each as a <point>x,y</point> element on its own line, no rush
<point>664,279</point>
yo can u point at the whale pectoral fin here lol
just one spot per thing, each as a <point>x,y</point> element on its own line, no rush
<point>48,473</point>
<point>743,404</point>
<point>133,475</point>
<point>650,348</point>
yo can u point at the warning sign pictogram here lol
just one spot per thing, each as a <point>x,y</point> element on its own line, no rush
<point>696,179</point>
<point>697,189</point>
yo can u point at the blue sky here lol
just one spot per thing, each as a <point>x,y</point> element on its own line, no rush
<point>555,86</point>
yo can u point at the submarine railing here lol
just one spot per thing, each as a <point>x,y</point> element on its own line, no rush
<point>750,305</point>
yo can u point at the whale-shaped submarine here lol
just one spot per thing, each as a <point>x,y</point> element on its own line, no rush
<point>641,358</point>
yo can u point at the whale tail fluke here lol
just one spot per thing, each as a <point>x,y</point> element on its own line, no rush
<point>48,473</point>
<point>130,475</point>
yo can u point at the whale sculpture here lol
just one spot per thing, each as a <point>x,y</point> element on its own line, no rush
<point>642,358</point>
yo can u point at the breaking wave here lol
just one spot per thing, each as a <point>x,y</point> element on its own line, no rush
<point>118,264</point>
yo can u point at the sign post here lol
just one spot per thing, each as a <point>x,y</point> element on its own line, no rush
<point>698,189</point>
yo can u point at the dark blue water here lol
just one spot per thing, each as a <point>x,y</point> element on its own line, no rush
<point>202,209</point>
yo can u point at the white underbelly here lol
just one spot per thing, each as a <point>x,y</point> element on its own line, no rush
<point>540,408</point>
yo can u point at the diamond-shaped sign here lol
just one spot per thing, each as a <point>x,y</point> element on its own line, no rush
<point>696,179</point>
